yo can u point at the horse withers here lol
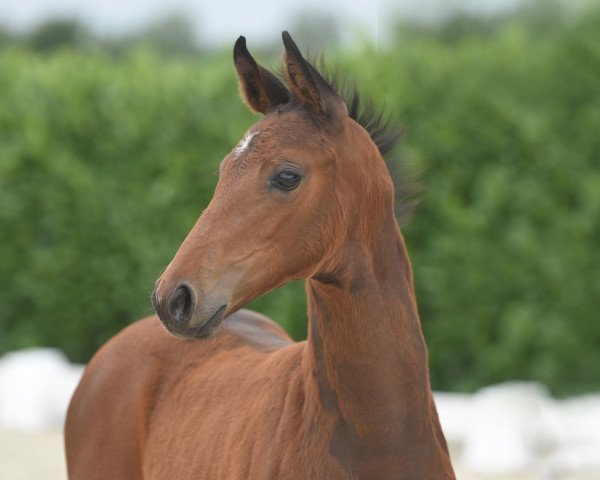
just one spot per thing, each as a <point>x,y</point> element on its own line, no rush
<point>305,194</point>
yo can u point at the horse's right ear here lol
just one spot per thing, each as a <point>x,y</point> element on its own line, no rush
<point>261,90</point>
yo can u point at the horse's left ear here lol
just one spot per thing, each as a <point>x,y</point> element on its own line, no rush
<point>308,86</point>
<point>261,90</point>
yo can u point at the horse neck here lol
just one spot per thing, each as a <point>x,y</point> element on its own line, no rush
<point>367,356</point>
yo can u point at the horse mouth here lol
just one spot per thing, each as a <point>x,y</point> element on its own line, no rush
<point>207,329</point>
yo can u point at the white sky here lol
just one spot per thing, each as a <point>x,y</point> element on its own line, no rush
<point>222,21</point>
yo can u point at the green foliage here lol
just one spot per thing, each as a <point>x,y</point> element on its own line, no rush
<point>505,243</point>
<point>170,36</point>
<point>105,163</point>
<point>104,166</point>
<point>56,34</point>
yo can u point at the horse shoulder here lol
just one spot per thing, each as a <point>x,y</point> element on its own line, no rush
<point>105,419</point>
<point>110,411</point>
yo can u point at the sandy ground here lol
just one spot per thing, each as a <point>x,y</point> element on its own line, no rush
<point>29,456</point>
<point>34,456</point>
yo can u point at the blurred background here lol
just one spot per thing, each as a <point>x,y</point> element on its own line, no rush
<point>114,116</point>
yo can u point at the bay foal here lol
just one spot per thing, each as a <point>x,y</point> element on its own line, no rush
<point>305,194</point>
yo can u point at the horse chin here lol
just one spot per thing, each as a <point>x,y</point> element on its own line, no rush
<point>197,329</point>
<point>210,327</point>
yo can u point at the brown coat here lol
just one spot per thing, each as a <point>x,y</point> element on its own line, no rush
<point>306,194</point>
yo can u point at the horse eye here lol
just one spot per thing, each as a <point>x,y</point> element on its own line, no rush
<point>286,180</point>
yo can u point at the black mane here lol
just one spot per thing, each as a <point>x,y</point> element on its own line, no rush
<point>386,135</point>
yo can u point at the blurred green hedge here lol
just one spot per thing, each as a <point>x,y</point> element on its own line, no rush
<point>105,163</point>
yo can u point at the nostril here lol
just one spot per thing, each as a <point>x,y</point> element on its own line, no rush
<point>180,304</point>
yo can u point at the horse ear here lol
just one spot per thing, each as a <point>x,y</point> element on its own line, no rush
<point>261,90</point>
<point>308,86</point>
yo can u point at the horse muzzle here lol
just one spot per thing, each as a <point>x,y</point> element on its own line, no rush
<point>184,314</point>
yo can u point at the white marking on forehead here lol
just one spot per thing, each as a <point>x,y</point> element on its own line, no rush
<point>245,143</point>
